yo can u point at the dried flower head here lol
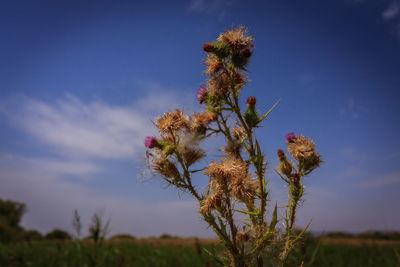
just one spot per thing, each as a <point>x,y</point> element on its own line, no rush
<point>213,199</point>
<point>214,65</point>
<point>301,147</point>
<point>239,133</point>
<point>171,121</point>
<point>233,148</point>
<point>237,38</point>
<point>150,141</point>
<point>165,167</point>
<point>219,84</point>
<point>208,47</point>
<point>228,169</point>
<point>201,94</point>
<point>290,137</point>
<point>244,188</point>
<point>191,154</point>
<point>240,78</point>
<point>202,120</point>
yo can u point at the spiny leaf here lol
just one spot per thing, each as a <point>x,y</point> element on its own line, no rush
<point>302,233</point>
<point>269,111</point>
<point>274,220</point>
<point>258,148</point>
<point>283,178</point>
<point>248,212</point>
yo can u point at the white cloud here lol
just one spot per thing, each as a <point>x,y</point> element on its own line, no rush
<point>391,11</point>
<point>93,129</point>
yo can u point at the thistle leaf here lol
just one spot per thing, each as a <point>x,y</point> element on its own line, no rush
<point>274,220</point>
<point>248,212</point>
<point>269,111</point>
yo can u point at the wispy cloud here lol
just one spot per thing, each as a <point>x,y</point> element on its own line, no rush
<point>388,179</point>
<point>391,11</point>
<point>51,203</point>
<point>353,154</point>
<point>306,78</point>
<point>352,109</point>
<point>209,5</point>
<point>94,129</point>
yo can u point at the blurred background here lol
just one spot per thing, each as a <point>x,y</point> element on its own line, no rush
<point>82,81</point>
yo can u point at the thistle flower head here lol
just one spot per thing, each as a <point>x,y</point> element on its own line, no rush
<point>229,168</point>
<point>165,167</point>
<point>172,121</point>
<point>239,133</point>
<point>240,78</point>
<point>237,38</point>
<point>208,47</point>
<point>219,84</point>
<point>189,150</point>
<point>200,121</point>
<point>251,101</point>
<point>290,137</point>
<point>244,188</point>
<point>300,147</point>
<point>214,65</point>
<point>213,198</point>
<point>201,93</point>
<point>246,52</point>
<point>303,150</point>
<point>150,141</point>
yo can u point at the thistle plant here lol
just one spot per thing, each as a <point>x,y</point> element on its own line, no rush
<point>236,183</point>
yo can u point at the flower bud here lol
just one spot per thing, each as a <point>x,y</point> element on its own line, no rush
<point>221,49</point>
<point>208,47</point>
<point>246,52</point>
<point>281,155</point>
<point>285,167</point>
<point>251,101</point>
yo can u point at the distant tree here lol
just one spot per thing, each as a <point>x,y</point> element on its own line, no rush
<point>11,213</point>
<point>58,234</point>
<point>30,235</point>
<point>122,237</point>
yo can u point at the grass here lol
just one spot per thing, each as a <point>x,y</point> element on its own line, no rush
<point>183,252</point>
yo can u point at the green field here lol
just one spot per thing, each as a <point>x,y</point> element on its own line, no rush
<point>185,253</point>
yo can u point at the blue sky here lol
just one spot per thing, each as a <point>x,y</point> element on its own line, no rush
<point>81,82</point>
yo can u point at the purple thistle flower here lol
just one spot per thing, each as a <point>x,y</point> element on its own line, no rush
<point>150,141</point>
<point>246,52</point>
<point>290,137</point>
<point>200,95</point>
